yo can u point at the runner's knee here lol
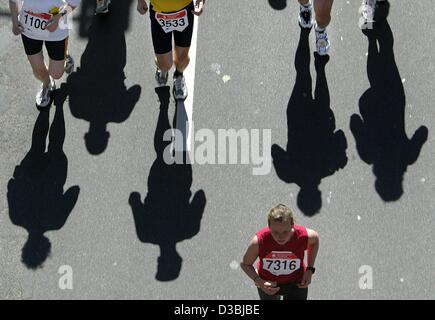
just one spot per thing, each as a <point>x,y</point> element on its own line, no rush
<point>165,64</point>
<point>56,74</point>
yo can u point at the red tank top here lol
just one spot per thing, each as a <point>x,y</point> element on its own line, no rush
<point>282,263</point>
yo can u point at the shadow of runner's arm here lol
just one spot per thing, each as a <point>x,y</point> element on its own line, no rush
<point>196,211</point>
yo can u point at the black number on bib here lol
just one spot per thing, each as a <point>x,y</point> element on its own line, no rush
<point>37,23</point>
<point>277,265</point>
<point>175,23</point>
<point>292,265</point>
<point>182,22</point>
<point>43,25</point>
<point>162,22</point>
<point>270,263</point>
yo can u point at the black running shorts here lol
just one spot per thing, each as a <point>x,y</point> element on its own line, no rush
<point>163,41</point>
<point>56,49</point>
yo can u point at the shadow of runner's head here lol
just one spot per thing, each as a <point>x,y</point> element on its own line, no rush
<point>309,199</point>
<point>278,4</point>
<point>36,250</point>
<point>96,140</point>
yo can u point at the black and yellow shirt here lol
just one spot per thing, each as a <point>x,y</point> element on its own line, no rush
<point>169,5</point>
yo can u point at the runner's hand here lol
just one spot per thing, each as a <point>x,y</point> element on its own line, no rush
<point>199,8</point>
<point>17,28</point>
<point>306,280</point>
<point>142,6</point>
<point>53,24</point>
<point>269,288</point>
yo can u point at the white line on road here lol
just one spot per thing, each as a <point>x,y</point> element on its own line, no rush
<point>185,108</point>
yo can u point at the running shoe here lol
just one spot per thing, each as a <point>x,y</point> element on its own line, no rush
<point>102,6</point>
<point>306,16</point>
<point>367,11</point>
<point>180,88</point>
<point>161,79</point>
<point>69,64</point>
<point>322,42</point>
<point>43,97</point>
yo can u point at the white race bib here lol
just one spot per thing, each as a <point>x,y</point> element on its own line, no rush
<point>169,22</point>
<point>281,263</point>
<point>35,23</point>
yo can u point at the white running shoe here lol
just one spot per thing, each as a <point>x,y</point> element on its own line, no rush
<point>367,12</point>
<point>322,42</point>
<point>180,88</point>
<point>161,79</point>
<point>43,97</point>
<point>306,16</point>
<point>69,64</point>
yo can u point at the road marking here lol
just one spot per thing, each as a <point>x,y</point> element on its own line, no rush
<point>184,116</point>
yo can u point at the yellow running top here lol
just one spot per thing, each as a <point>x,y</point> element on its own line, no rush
<point>169,5</point>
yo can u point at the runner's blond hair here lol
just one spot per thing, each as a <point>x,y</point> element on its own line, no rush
<point>280,213</point>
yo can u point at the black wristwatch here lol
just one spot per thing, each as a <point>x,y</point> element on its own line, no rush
<point>312,269</point>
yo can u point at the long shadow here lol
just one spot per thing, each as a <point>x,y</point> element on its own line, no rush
<point>379,132</point>
<point>36,197</point>
<point>314,149</point>
<point>97,92</point>
<point>167,215</point>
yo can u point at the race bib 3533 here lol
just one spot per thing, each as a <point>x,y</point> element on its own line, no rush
<point>169,22</point>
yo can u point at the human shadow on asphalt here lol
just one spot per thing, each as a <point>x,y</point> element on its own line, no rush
<point>315,149</point>
<point>168,214</point>
<point>278,4</point>
<point>379,131</point>
<point>36,198</point>
<point>97,93</point>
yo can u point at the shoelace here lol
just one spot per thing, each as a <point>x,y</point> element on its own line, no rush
<point>179,81</point>
<point>322,39</point>
<point>306,16</point>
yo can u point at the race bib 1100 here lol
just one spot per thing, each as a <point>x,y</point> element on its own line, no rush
<point>35,23</point>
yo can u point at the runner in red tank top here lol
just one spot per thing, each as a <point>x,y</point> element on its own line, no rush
<point>280,248</point>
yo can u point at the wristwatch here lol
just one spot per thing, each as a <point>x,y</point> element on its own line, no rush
<point>312,269</point>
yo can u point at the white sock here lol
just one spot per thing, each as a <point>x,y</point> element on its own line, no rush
<point>318,29</point>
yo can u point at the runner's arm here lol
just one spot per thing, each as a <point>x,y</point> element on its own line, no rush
<point>313,247</point>
<point>249,258</point>
<point>14,8</point>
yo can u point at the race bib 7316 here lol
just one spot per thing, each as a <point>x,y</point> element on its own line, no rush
<point>281,263</point>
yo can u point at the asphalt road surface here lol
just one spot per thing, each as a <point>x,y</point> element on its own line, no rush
<point>353,148</point>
